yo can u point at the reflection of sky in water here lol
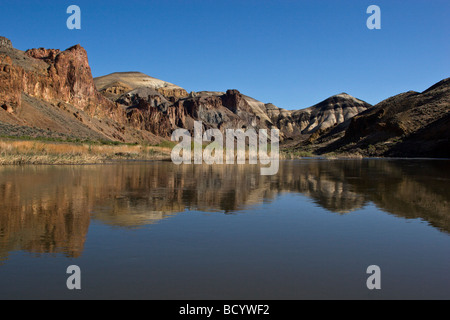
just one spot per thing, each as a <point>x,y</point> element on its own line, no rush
<point>162,231</point>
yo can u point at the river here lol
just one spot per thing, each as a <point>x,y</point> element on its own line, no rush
<point>155,230</point>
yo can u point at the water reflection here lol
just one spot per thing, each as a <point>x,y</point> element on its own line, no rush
<point>47,209</point>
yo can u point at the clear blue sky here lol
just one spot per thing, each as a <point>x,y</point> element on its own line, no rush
<point>291,53</point>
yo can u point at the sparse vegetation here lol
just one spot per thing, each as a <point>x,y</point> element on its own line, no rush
<point>305,153</point>
<point>37,151</point>
<point>167,144</point>
<point>295,153</point>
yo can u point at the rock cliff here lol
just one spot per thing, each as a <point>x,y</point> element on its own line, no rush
<point>54,90</point>
<point>51,93</point>
<point>146,103</point>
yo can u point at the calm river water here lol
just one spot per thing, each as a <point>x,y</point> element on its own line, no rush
<point>155,230</point>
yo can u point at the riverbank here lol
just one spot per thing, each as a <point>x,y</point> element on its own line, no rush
<point>18,152</point>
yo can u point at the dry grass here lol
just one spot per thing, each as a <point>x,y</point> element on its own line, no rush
<point>41,152</point>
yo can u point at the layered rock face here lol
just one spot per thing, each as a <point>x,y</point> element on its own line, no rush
<point>160,107</point>
<point>150,108</point>
<point>117,84</point>
<point>331,112</point>
<point>410,124</point>
<point>54,90</point>
<point>50,75</point>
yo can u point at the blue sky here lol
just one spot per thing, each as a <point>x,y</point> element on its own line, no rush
<point>291,53</point>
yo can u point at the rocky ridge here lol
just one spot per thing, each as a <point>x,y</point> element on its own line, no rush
<point>54,90</point>
<point>410,124</point>
<point>151,109</point>
<point>51,93</point>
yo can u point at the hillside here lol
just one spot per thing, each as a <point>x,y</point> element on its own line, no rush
<point>151,108</point>
<point>49,93</point>
<point>116,84</point>
<point>410,124</point>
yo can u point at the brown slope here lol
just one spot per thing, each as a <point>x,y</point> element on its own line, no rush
<point>330,112</point>
<point>324,121</point>
<point>410,124</point>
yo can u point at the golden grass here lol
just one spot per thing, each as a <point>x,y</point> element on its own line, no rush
<point>42,152</point>
<point>14,152</point>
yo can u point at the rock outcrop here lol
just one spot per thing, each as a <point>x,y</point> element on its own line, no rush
<point>54,90</point>
<point>49,92</point>
<point>410,124</point>
<point>51,75</point>
<point>329,113</point>
<point>5,43</point>
<point>147,102</point>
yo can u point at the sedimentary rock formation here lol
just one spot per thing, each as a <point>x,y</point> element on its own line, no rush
<point>117,82</point>
<point>146,103</point>
<point>54,90</point>
<point>410,124</point>
<point>52,93</point>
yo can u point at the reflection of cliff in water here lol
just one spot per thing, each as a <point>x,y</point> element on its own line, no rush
<point>406,188</point>
<point>47,209</point>
<point>43,209</point>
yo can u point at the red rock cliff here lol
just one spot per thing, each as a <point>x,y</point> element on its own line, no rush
<point>53,76</point>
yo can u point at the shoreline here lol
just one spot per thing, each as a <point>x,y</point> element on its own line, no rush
<point>42,152</point>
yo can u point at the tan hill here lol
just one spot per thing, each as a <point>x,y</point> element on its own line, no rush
<point>410,124</point>
<point>119,83</point>
<point>331,112</point>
